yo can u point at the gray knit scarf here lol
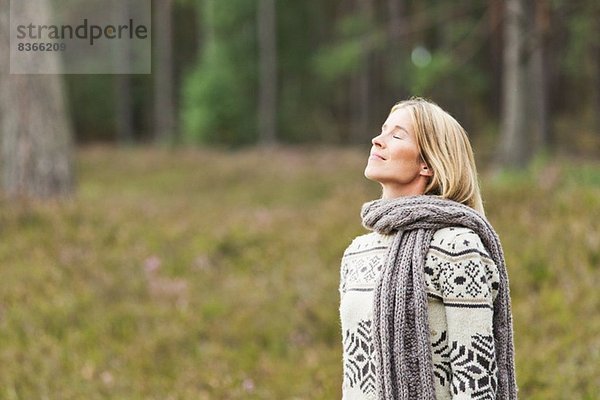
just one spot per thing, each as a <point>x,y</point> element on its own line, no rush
<point>404,367</point>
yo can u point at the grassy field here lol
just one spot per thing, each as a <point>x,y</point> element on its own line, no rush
<point>195,274</point>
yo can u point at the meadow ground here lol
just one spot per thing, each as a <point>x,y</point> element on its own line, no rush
<point>196,274</point>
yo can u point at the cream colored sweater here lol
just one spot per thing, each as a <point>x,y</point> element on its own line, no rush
<point>461,281</point>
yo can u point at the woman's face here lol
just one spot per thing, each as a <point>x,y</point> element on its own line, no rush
<point>395,161</point>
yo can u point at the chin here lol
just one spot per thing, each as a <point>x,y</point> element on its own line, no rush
<point>370,174</point>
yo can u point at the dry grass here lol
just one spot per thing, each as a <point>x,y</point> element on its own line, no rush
<point>195,274</point>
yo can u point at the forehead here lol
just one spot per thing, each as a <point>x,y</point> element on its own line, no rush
<point>400,117</point>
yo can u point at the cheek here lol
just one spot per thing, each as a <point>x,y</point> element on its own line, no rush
<point>406,155</point>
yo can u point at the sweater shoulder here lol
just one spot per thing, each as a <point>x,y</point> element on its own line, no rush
<point>457,241</point>
<point>363,260</point>
<point>459,266</point>
<point>368,241</point>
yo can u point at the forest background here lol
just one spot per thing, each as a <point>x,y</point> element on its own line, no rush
<point>178,234</point>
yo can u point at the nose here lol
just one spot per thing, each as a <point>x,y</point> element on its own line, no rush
<point>376,141</point>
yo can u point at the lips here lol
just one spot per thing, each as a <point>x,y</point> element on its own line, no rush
<point>376,156</point>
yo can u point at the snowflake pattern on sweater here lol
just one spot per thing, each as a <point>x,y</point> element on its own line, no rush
<point>461,282</point>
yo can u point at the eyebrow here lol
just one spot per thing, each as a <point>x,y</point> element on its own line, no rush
<point>395,126</point>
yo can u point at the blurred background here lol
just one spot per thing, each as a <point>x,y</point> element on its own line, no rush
<point>178,235</point>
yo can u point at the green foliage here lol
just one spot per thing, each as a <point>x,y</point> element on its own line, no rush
<point>339,61</point>
<point>444,79</point>
<point>213,275</point>
<point>324,48</point>
<point>301,109</point>
<point>355,36</point>
<point>580,61</point>
<point>219,101</point>
<point>97,120</point>
<point>92,101</point>
<point>579,28</point>
<point>426,78</point>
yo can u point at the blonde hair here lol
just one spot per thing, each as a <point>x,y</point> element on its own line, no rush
<point>444,146</point>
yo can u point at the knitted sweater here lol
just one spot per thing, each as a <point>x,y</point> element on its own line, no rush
<point>461,282</point>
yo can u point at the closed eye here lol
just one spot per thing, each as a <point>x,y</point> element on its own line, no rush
<point>398,133</point>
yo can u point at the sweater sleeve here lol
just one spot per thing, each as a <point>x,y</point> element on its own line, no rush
<point>343,274</point>
<point>468,284</point>
<point>344,269</point>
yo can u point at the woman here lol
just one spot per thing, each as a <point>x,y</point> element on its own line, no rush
<point>425,306</point>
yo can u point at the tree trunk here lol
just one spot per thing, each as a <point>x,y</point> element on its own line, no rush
<point>124,109</point>
<point>36,130</point>
<point>514,140</point>
<point>122,82</point>
<point>267,93</point>
<point>396,12</point>
<point>164,110</point>
<point>595,50</point>
<point>495,52</point>
<point>539,13</point>
<point>362,80</point>
<point>396,31</point>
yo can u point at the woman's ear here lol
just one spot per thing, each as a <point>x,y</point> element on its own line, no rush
<point>425,170</point>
